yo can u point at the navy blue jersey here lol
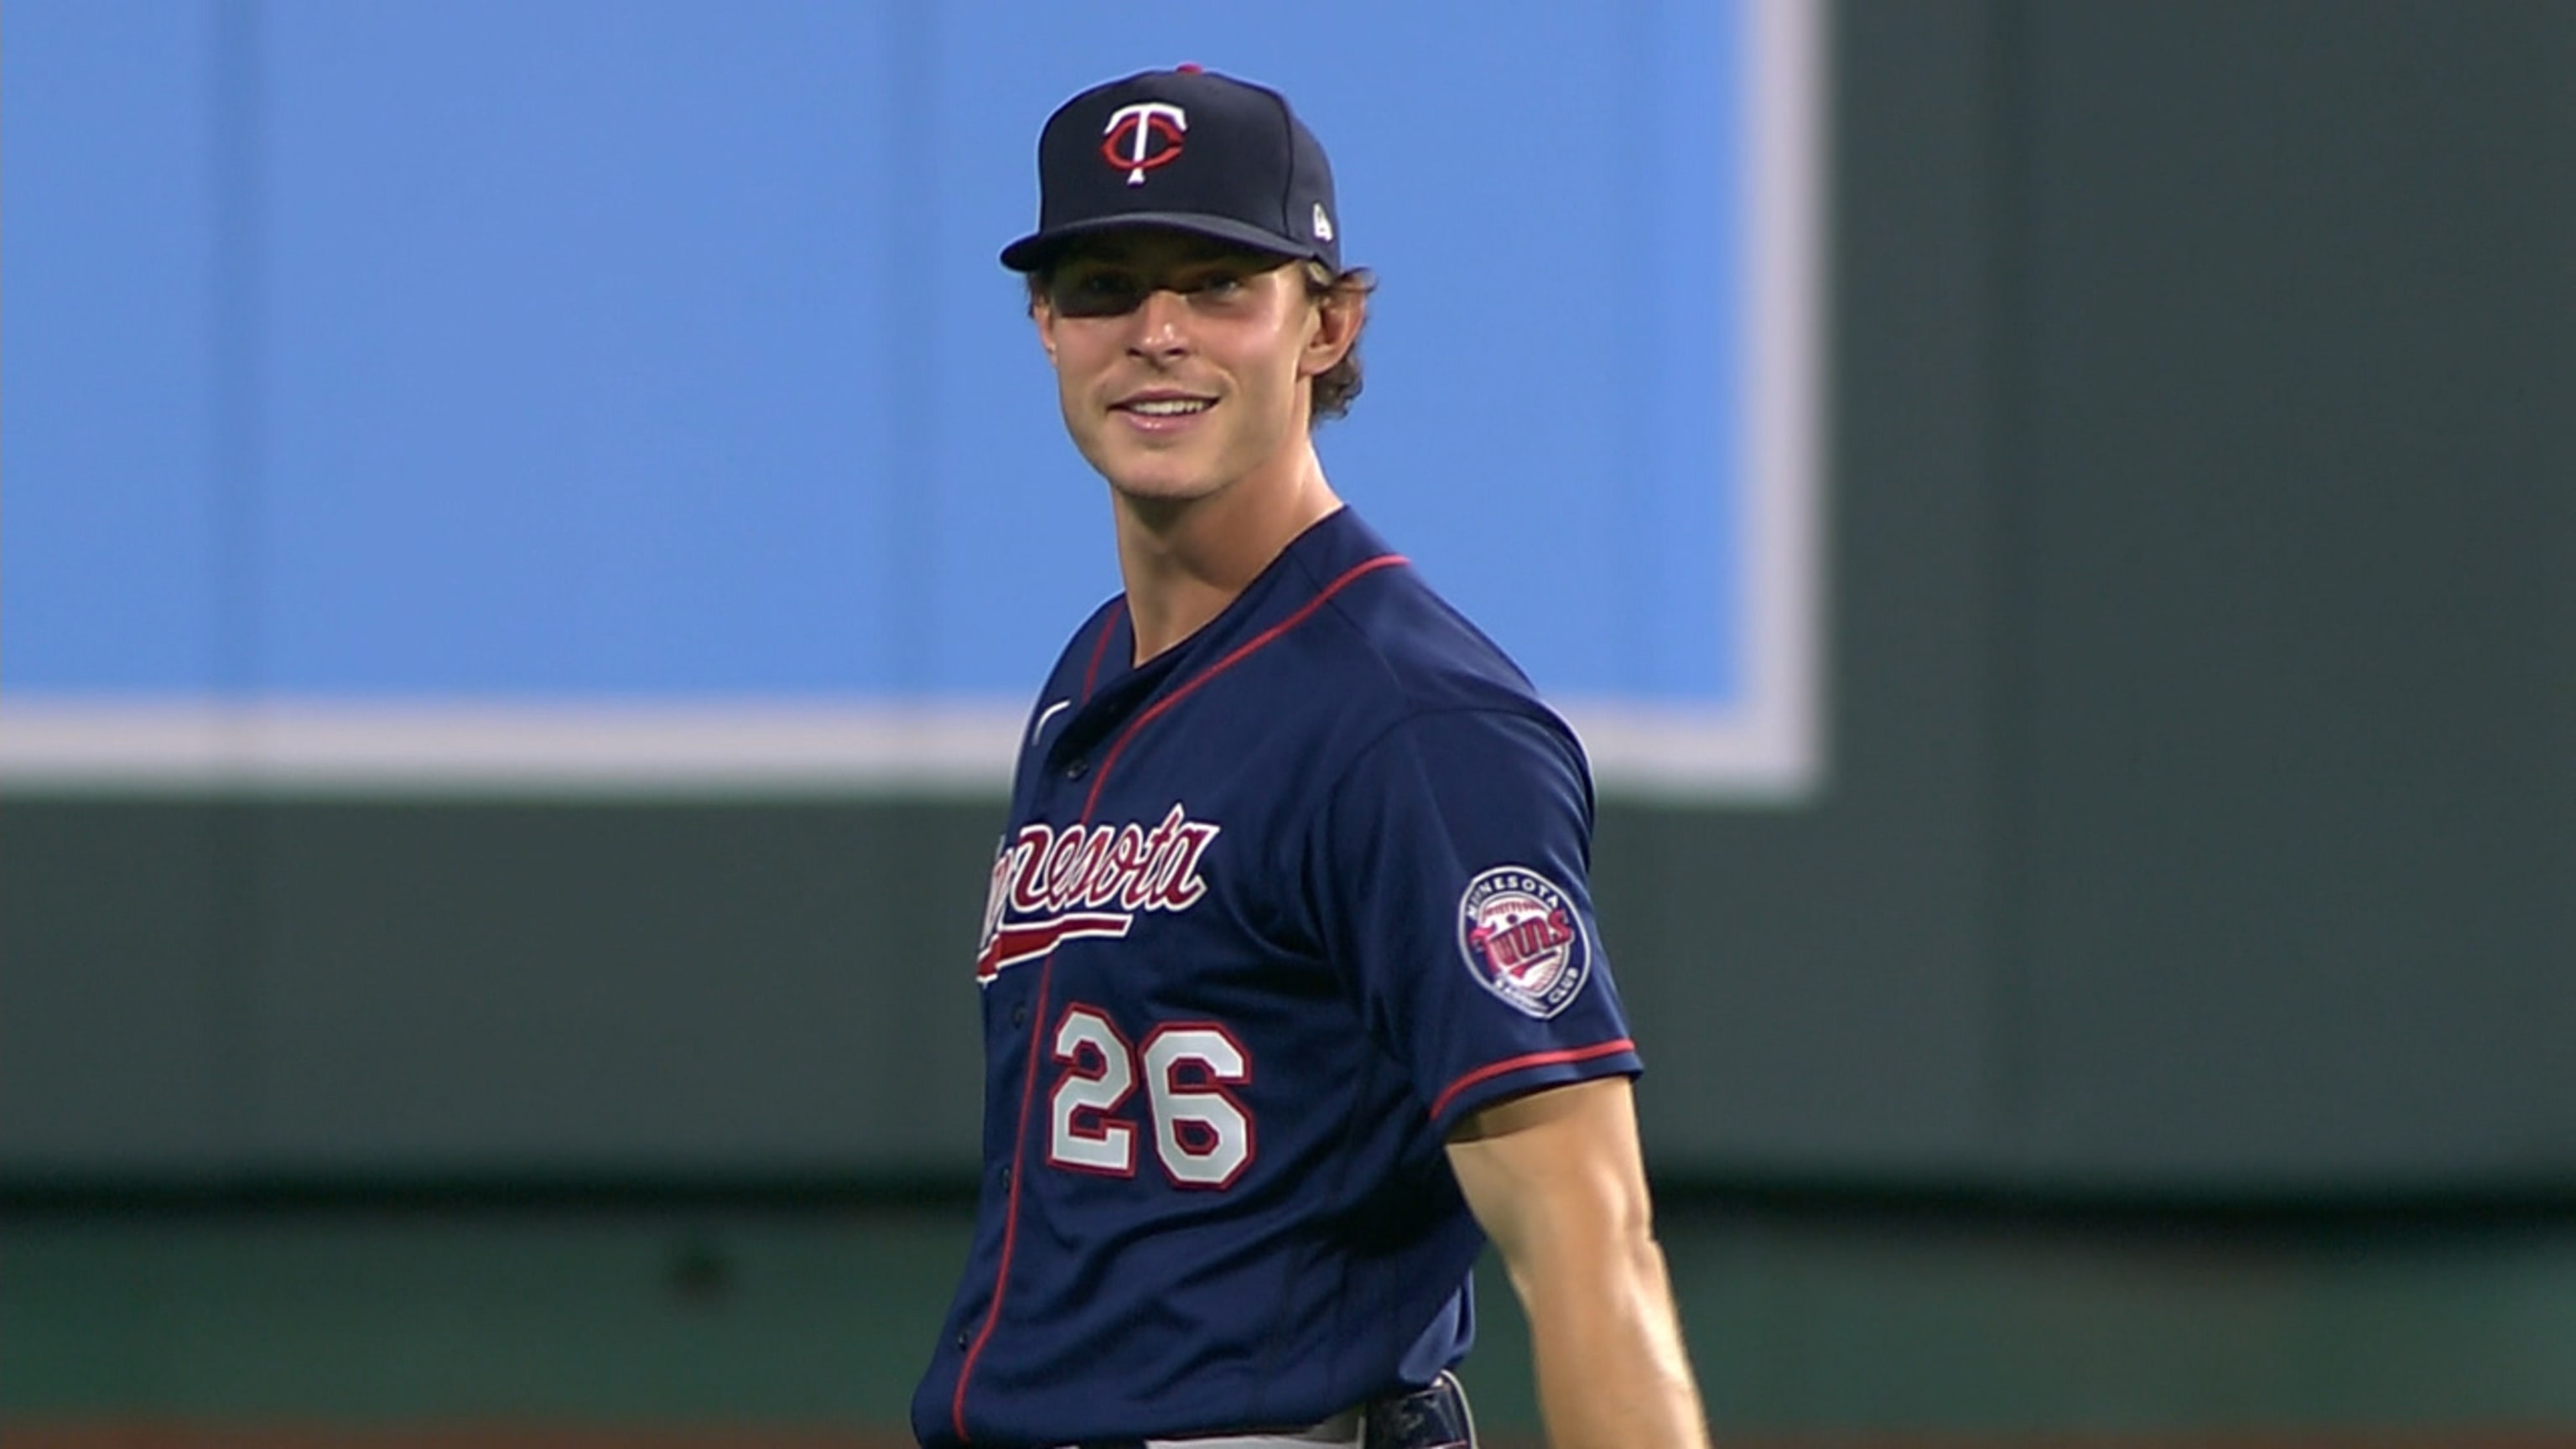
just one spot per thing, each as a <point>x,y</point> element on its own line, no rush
<point>1274,912</point>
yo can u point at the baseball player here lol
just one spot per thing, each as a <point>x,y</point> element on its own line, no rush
<point>1291,988</point>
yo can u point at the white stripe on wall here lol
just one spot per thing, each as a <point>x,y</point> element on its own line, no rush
<point>645,751</point>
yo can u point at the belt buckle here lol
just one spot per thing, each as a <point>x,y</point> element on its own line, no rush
<point>1434,1417</point>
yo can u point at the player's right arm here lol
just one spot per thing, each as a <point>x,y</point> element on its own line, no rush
<point>1557,1181</point>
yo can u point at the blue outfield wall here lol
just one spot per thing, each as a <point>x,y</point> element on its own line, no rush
<point>658,350</point>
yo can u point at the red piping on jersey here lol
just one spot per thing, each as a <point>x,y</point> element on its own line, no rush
<point>1046,969</point>
<point>1100,646</point>
<point>1492,1070</point>
<point>1304,612</point>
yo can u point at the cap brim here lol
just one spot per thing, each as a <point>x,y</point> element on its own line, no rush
<point>1034,251</point>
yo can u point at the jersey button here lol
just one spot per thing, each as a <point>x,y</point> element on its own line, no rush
<point>1077,769</point>
<point>961,1339</point>
<point>1020,1014</point>
<point>1006,1177</point>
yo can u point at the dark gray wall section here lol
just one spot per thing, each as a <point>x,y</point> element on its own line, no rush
<point>2203,812</point>
<point>540,991</point>
<point>742,990</point>
<point>2290,587</point>
<point>1810,986</point>
<point>118,1025</point>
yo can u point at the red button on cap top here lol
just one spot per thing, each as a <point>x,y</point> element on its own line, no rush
<point>1189,67</point>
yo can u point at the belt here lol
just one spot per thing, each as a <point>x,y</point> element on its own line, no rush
<point>1433,1417</point>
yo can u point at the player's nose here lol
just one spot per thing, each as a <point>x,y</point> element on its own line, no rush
<point>1160,324</point>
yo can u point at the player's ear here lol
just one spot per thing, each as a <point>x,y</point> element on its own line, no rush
<point>1340,312</point>
<point>1041,311</point>
<point>1044,317</point>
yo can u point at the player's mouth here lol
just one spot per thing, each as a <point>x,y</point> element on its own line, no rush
<point>1162,412</point>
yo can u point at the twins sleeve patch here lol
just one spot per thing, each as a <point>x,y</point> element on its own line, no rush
<point>1522,939</point>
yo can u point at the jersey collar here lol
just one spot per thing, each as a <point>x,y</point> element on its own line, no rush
<point>1323,552</point>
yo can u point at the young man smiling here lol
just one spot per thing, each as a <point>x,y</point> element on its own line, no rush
<point>1291,989</point>
<point>1185,368</point>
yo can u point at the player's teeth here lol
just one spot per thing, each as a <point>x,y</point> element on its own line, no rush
<point>1171,407</point>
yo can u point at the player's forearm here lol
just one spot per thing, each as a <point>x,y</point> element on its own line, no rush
<point>1557,1181</point>
<point>1611,1370</point>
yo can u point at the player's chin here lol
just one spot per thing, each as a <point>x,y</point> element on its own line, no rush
<point>1166,473</point>
<point>1161,485</point>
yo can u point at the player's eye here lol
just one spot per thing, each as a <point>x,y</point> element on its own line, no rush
<point>1096,293</point>
<point>1224,290</point>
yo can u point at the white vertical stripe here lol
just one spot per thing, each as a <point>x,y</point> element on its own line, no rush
<point>1782,753</point>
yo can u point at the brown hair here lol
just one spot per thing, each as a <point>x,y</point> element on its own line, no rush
<point>1330,392</point>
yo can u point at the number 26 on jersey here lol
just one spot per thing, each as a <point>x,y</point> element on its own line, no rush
<point>1201,1134</point>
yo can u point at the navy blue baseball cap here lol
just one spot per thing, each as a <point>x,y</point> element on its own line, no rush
<point>1187,149</point>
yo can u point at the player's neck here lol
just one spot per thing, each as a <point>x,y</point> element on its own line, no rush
<point>1184,562</point>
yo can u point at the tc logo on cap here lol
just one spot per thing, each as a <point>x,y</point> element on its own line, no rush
<point>1143,136</point>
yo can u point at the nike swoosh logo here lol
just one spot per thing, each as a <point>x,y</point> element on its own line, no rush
<point>1047,714</point>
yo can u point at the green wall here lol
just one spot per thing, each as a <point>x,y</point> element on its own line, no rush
<point>1800,1323</point>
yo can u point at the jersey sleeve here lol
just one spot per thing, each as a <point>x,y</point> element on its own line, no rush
<point>1449,876</point>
